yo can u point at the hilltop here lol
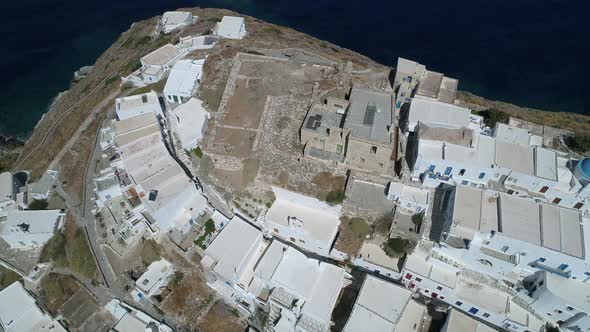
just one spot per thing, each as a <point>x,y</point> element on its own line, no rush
<point>65,136</point>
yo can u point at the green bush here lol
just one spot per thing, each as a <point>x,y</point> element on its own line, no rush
<point>38,204</point>
<point>7,277</point>
<point>335,197</point>
<point>579,142</point>
<point>397,247</point>
<point>492,116</point>
<point>209,228</point>
<point>198,152</point>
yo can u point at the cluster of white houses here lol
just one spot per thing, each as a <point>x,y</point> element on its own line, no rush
<point>24,229</point>
<point>506,243</point>
<point>157,64</point>
<point>508,248</point>
<point>144,184</point>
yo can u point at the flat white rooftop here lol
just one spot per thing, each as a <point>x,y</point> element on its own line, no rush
<point>162,56</point>
<point>232,246</point>
<point>319,219</point>
<point>183,78</point>
<point>378,307</point>
<point>132,106</point>
<point>437,113</point>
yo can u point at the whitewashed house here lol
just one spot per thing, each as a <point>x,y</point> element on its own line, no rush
<point>298,292</point>
<point>19,312</point>
<point>7,187</point>
<point>134,106</point>
<point>189,123</point>
<point>385,307</point>
<point>306,222</point>
<point>158,274</point>
<point>30,229</point>
<point>183,81</point>
<point>158,62</point>
<point>174,19</point>
<point>231,27</point>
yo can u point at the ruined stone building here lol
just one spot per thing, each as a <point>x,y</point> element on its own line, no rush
<point>358,132</point>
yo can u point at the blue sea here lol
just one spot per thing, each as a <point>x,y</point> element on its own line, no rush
<point>520,51</point>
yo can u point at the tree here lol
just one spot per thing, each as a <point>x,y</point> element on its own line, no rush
<point>492,116</point>
<point>38,204</point>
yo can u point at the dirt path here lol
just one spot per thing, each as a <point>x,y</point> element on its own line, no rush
<point>83,127</point>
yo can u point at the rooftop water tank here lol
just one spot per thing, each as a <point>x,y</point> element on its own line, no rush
<point>582,171</point>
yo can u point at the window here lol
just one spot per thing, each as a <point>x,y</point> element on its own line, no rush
<point>462,171</point>
<point>542,259</point>
<point>292,239</point>
<point>448,171</point>
<point>578,206</point>
<point>408,276</point>
<point>569,308</point>
<point>557,311</point>
<point>563,266</point>
<point>300,240</point>
<point>556,200</point>
<point>473,310</point>
<point>464,182</point>
<point>339,148</point>
<point>175,99</point>
<point>486,315</point>
<point>431,168</point>
<point>510,192</point>
<point>544,189</point>
<point>439,288</point>
<point>418,279</point>
<point>481,175</point>
<point>328,131</point>
<point>541,283</point>
<point>459,303</point>
<point>276,230</point>
<point>373,149</point>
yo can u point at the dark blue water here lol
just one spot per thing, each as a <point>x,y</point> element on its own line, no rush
<point>527,52</point>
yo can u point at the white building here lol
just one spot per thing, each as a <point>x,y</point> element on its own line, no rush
<point>458,321</point>
<point>169,197</point>
<point>183,80</point>
<point>157,275</point>
<point>157,63</point>
<point>303,290</point>
<point>304,221</point>
<point>189,123</point>
<point>19,312</point>
<point>299,292</point>
<point>385,307</point>
<point>231,27</point>
<point>173,20</point>
<point>7,187</point>
<point>30,229</point>
<point>133,106</point>
<point>437,113</point>
<point>130,319</point>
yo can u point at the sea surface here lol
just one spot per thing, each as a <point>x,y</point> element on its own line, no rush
<point>527,52</point>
